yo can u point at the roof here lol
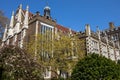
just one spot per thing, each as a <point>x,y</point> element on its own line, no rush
<point>30,14</point>
<point>64,29</point>
<point>59,27</point>
<point>47,8</point>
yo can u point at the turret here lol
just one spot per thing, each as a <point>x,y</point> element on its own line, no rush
<point>5,34</point>
<point>17,27</point>
<point>12,20</point>
<point>88,31</point>
<point>47,12</point>
<point>26,18</point>
<point>10,31</point>
<point>19,13</point>
<point>98,32</point>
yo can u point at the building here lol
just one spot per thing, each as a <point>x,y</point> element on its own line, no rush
<point>104,43</point>
<point>23,24</point>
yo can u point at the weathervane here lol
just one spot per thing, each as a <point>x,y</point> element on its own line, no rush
<point>46,2</point>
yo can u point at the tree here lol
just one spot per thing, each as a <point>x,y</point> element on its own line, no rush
<point>118,61</point>
<point>16,64</point>
<point>68,49</point>
<point>58,51</point>
<point>95,67</point>
<point>3,22</point>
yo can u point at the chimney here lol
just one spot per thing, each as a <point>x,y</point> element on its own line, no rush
<point>88,31</point>
<point>37,13</point>
<point>111,25</point>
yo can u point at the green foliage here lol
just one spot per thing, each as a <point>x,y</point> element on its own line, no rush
<point>95,67</point>
<point>15,64</point>
<point>118,62</point>
<point>59,51</point>
<point>58,79</point>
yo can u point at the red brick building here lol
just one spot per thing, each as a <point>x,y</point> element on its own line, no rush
<point>23,24</point>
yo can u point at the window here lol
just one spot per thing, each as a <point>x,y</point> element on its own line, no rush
<point>95,45</point>
<point>45,39</point>
<point>45,27</point>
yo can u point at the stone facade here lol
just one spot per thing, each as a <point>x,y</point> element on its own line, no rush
<point>102,43</point>
<point>24,24</point>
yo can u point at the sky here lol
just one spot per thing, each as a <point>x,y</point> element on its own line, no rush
<point>73,14</point>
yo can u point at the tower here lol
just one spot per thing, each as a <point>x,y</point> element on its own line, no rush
<point>47,12</point>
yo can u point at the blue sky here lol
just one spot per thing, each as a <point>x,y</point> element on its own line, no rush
<point>72,13</point>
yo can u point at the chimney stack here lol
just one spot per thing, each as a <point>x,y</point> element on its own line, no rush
<point>88,31</point>
<point>111,25</point>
